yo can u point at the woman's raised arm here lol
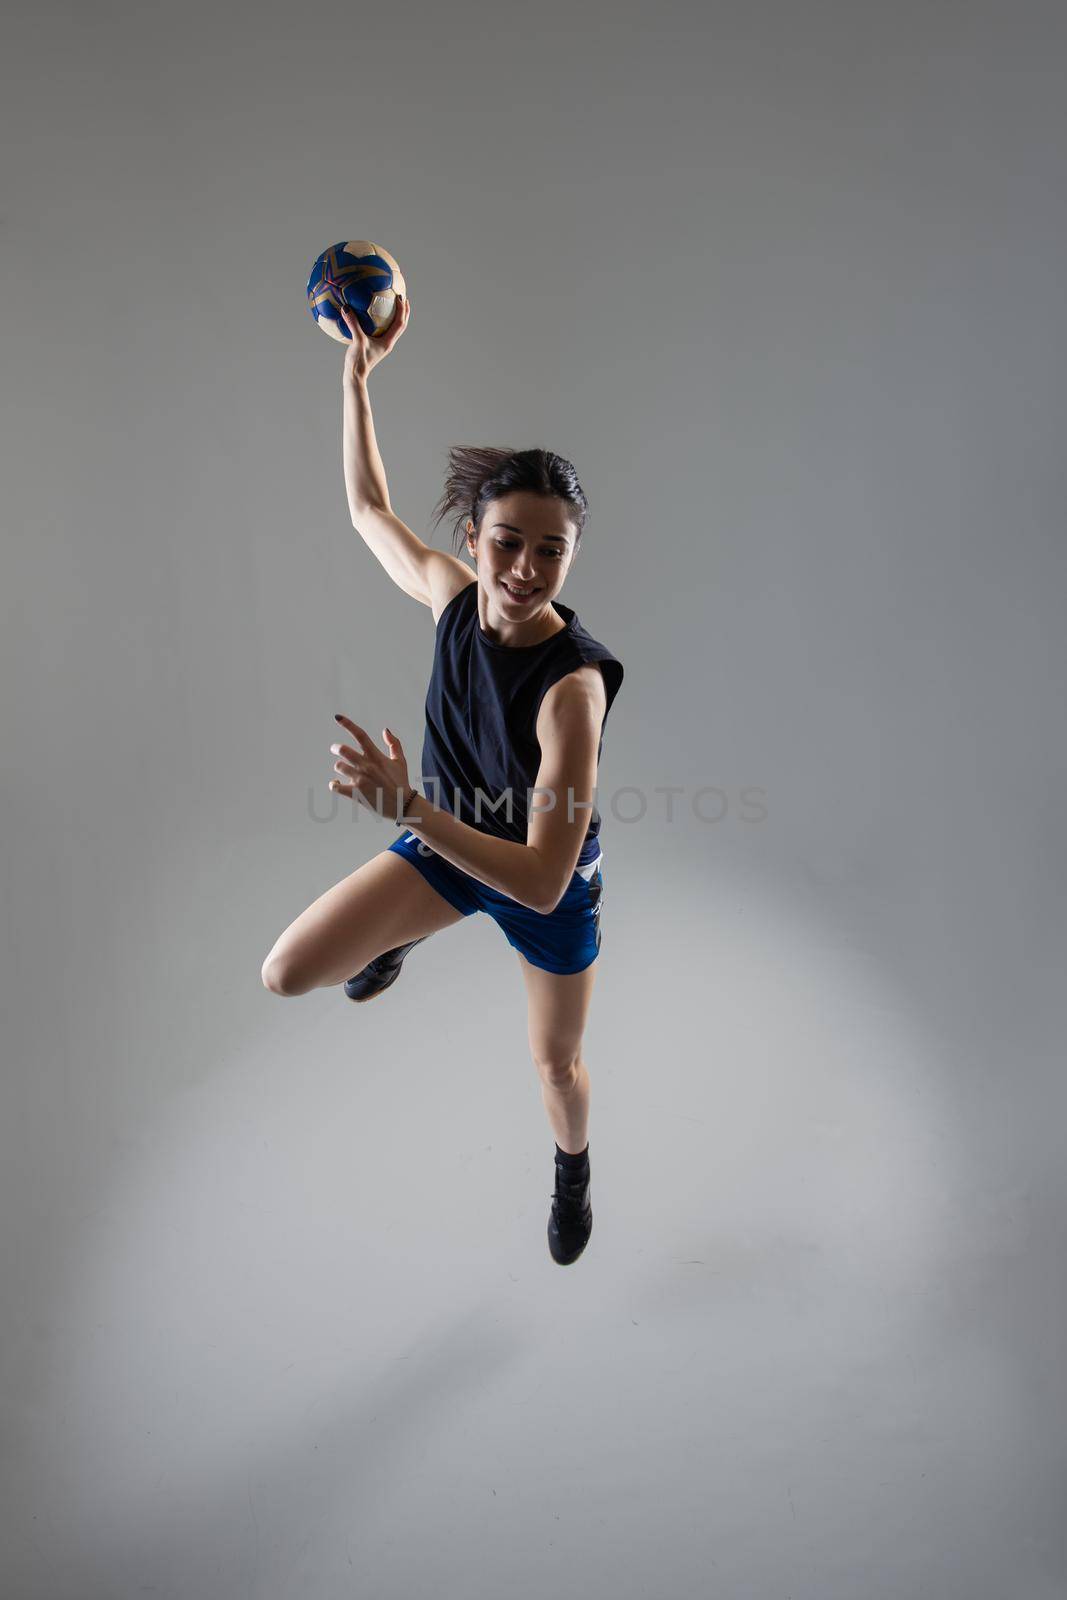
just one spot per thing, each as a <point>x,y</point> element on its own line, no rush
<point>401,552</point>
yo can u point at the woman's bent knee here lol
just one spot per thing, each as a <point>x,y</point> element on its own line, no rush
<point>281,977</point>
<point>384,903</point>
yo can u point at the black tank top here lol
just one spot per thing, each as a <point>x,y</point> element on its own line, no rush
<point>481,713</point>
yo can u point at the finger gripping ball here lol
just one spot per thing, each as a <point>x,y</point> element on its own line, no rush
<point>362,276</point>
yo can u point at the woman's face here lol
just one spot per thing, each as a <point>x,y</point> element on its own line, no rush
<point>523,551</point>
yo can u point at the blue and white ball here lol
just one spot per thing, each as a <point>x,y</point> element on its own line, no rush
<point>362,276</point>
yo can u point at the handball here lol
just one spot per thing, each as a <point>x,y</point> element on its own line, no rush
<point>362,276</point>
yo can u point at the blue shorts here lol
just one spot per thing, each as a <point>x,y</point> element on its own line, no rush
<point>564,940</point>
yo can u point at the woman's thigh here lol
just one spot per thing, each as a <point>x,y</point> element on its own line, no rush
<point>384,903</point>
<point>557,1011</point>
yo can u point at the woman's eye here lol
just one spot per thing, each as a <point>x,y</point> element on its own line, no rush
<point>509,544</point>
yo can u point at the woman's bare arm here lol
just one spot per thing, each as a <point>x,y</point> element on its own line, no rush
<point>401,552</point>
<point>429,576</point>
<point>536,873</point>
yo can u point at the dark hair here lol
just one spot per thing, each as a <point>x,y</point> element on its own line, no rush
<point>479,474</point>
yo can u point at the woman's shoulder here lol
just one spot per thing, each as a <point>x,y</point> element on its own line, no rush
<point>577,679</point>
<point>580,664</point>
<point>592,651</point>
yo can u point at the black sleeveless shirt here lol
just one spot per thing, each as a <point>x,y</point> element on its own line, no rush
<point>481,713</point>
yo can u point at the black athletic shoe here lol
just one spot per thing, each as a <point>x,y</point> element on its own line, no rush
<point>571,1221</point>
<point>379,973</point>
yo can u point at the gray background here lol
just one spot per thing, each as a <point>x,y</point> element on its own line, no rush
<point>786,283</point>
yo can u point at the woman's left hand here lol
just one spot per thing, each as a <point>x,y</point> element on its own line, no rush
<point>377,779</point>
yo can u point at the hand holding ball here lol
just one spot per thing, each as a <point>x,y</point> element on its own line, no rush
<point>364,354</point>
<point>361,278</point>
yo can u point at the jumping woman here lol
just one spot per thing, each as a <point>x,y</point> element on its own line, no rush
<point>518,696</point>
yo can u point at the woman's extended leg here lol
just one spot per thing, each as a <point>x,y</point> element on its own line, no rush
<point>558,1005</point>
<point>384,903</point>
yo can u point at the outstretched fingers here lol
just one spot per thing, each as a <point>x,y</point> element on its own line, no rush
<point>357,732</point>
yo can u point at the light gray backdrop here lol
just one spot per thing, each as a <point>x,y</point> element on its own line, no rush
<point>785,281</point>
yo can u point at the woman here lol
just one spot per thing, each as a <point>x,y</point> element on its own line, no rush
<point>515,711</point>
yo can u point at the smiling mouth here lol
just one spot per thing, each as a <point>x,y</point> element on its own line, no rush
<point>519,594</point>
